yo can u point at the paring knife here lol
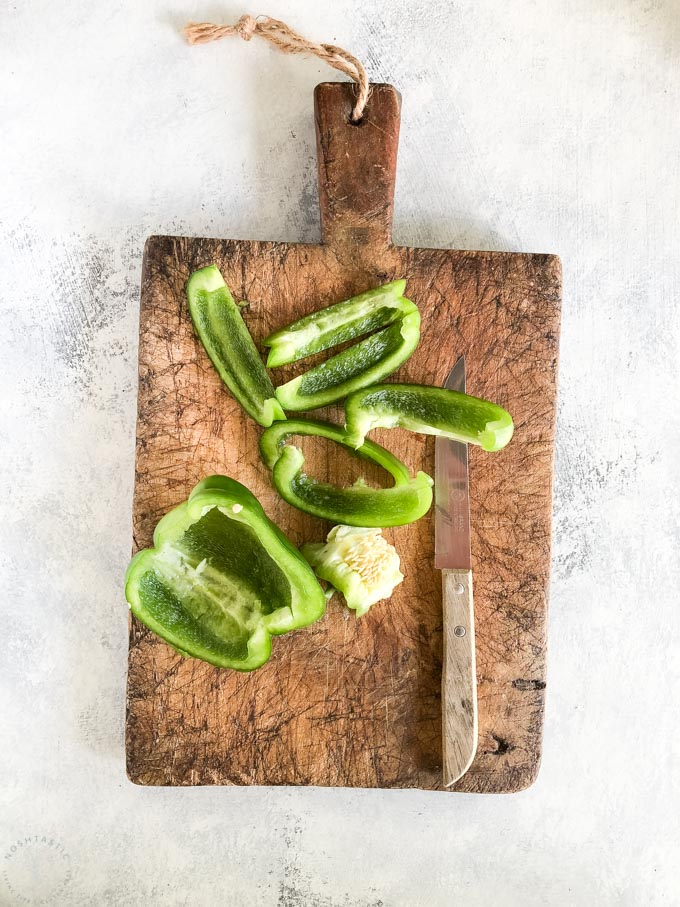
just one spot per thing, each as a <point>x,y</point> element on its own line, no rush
<point>452,557</point>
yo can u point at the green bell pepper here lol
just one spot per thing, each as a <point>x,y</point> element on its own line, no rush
<point>428,410</point>
<point>358,505</point>
<point>363,364</point>
<point>226,338</point>
<point>338,323</point>
<point>222,579</point>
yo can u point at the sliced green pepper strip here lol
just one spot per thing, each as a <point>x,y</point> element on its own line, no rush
<point>222,579</point>
<point>357,505</point>
<point>337,324</point>
<point>361,365</point>
<point>226,338</point>
<point>428,410</point>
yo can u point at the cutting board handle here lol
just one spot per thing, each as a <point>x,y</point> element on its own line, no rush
<point>357,163</point>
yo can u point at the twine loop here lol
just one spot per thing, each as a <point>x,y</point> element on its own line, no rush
<point>288,42</point>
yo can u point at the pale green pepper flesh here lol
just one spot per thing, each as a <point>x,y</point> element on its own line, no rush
<point>337,324</point>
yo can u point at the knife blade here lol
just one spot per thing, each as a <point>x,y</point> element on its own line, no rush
<point>452,493</point>
<point>453,558</point>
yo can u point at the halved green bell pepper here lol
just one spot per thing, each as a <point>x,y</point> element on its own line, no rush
<point>338,323</point>
<point>357,505</point>
<point>226,338</point>
<point>222,579</point>
<point>368,361</point>
<point>428,410</point>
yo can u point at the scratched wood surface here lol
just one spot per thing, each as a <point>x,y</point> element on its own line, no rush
<point>350,702</point>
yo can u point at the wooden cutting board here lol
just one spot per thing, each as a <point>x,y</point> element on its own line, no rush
<point>350,702</point>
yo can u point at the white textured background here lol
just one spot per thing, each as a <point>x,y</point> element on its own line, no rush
<point>536,125</point>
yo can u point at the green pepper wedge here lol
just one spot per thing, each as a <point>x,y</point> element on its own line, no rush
<point>428,410</point>
<point>338,323</point>
<point>367,362</point>
<point>227,341</point>
<point>358,505</point>
<point>222,579</point>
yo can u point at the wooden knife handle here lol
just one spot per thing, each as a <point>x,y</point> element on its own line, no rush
<point>459,675</point>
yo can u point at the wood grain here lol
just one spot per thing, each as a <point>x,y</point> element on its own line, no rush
<point>459,675</point>
<point>352,702</point>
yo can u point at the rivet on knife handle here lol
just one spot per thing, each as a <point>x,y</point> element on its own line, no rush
<point>459,677</point>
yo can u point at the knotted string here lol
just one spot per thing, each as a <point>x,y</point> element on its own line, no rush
<point>289,42</point>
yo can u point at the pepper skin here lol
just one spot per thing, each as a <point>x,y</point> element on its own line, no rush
<point>428,410</point>
<point>222,579</point>
<point>357,505</point>
<point>227,341</point>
